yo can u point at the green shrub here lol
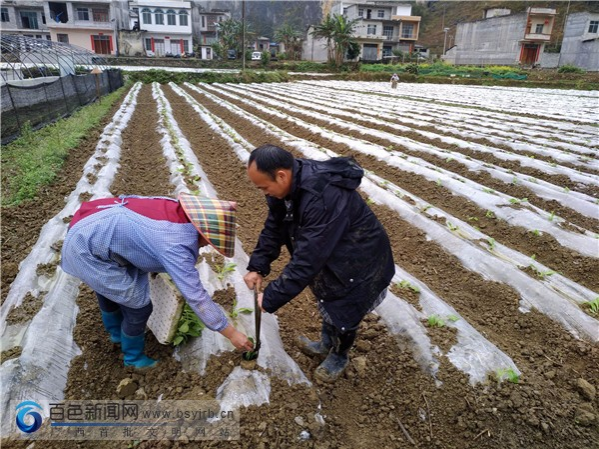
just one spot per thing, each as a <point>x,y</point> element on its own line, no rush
<point>569,68</point>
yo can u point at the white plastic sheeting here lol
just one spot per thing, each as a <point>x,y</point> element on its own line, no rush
<point>529,217</point>
<point>533,292</point>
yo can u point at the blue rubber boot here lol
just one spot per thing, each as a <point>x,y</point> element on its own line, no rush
<point>112,322</point>
<point>318,348</point>
<point>334,365</point>
<point>133,348</point>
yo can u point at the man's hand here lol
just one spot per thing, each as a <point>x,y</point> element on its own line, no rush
<point>239,340</point>
<point>260,299</point>
<point>253,280</point>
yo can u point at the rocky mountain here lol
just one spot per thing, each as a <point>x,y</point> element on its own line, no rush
<point>264,17</point>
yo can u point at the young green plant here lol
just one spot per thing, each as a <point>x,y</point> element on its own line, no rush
<point>189,325</point>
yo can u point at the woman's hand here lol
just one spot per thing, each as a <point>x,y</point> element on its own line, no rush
<point>238,339</point>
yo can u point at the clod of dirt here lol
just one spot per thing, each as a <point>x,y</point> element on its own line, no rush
<point>585,415</point>
<point>587,390</point>
<point>126,387</point>
<point>27,310</point>
<point>47,269</point>
<point>11,353</point>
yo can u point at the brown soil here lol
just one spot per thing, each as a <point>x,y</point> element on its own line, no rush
<point>384,389</point>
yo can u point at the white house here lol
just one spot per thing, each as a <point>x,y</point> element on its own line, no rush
<point>165,26</point>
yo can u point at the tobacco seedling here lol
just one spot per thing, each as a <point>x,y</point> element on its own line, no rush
<point>491,243</point>
<point>451,226</point>
<point>189,325</point>
<point>489,214</point>
<point>472,219</point>
<point>509,374</point>
<point>517,201</point>
<point>593,305</point>
<point>552,216</point>
<point>250,355</point>
<point>236,311</point>
<point>486,190</point>
<point>408,286</point>
<point>536,232</point>
<point>435,321</point>
<point>222,271</point>
<point>439,182</point>
<point>541,274</point>
<point>370,201</point>
<point>453,318</point>
<point>566,189</point>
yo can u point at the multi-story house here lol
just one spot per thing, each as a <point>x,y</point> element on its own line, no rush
<point>381,28</point>
<point>87,24</point>
<point>25,18</point>
<point>165,27</point>
<point>580,45</point>
<point>502,38</point>
<point>208,31</point>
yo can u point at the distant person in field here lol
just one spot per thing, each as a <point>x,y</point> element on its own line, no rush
<point>113,244</point>
<point>394,80</point>
<point>338,247</point>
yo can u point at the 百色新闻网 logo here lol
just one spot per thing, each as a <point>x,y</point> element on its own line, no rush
<point>26,412</point>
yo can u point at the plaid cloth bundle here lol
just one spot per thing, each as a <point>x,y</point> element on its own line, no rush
<point>214,219</point>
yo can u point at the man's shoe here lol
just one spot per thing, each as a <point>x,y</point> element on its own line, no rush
<point>318,348</point>
<point>332,368</point>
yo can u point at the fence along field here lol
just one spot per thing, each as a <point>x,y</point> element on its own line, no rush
<point>367,120</point>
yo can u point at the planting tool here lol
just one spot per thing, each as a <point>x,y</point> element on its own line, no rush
<point>258,317</point>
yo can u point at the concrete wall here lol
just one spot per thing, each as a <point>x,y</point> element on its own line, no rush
<point>549,60</point>
<point>579,47</point>
<point>314,49</point>
<point>489,41</point>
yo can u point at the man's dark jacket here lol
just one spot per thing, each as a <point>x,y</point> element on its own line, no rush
<point>337,245</point>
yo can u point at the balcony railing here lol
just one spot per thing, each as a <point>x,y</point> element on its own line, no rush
<point>537,37</point>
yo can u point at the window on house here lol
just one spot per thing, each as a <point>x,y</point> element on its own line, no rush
<point>43,18</point>
<point>381,13</point>
<point>171,17</point>
<point>4,15</point>
<point>371,29</point>
<point>388,31</point>
<point>148,44</point>
<point>407,31</point>
<point>159,16</point>
<point>100,15</point>
<point>183,18</point>
<point>539,28</point>
<point>186,46</point>
<point>29,20</point>
<point>594,26</point>
<point>63,38</point>
<point>146,16</point>
<point>82,14</point>
<point>203,21</point>
<point>360,12</point>
<point>101,44</point>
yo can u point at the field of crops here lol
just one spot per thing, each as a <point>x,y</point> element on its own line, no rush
<point>489,335</point>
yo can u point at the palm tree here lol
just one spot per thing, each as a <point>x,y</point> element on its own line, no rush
<point>342,36</point>
<point>337,31</point>
<point>325,31</point>
<point>290,38</point>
